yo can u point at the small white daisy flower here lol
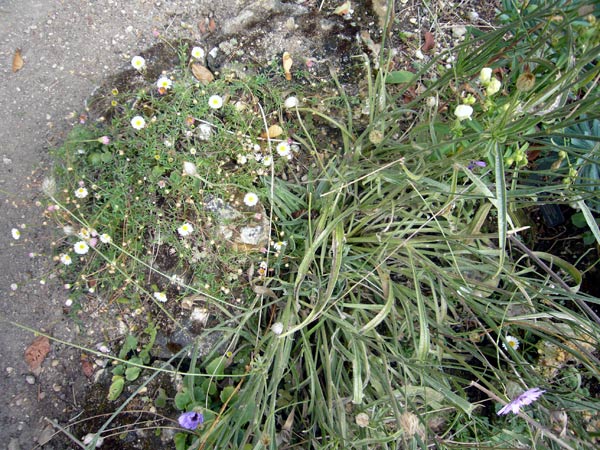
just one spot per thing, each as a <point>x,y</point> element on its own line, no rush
<point>81,192</point>
<point>160,296</point>
<point>105,238</point>
<point>283,149</point>
<point>215,101</point>
<point>186,229</point>
<point>65,259</point>
<point>138,62</point>
<point>279,245</point>
<point>16,234</point>
<point>198,53</point>
<point>250,199</point>
<point>138,122</point>
<point>267,160</point>
<point>164,83</point>
<point>463,112</point>
<point>511,342</point>
<point>84,233</point>
<point>81,248</point>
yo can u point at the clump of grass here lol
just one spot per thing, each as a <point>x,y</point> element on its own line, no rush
<point>399,305</point>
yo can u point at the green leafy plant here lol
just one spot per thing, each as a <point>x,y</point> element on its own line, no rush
<point>395,303</point>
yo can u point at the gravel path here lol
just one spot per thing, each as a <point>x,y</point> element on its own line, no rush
<point>68,47</point>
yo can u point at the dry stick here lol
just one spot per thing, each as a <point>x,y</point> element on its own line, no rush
<point>558,279</point>
<point>529,420</point>
<point>55,424</point>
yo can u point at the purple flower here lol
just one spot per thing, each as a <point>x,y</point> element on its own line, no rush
<point>472,164</point>
<point>191,420</point>
<point>526,398</point>
<point>104,140</point>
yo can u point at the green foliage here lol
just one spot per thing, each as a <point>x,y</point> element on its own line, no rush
<point>403,294</point>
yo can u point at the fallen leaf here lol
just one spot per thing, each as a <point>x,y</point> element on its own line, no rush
<point>202,25</point>
<point>272,132</point>
<point>380,8</point>
<point>375,48</point>
<point>399,76</point>
<point>287,65</point>
<point>87,367</point>
<point>343,9</point>
<point>429,42</point>
<point>262,290</point>
<point>17,62</point>
<point>202,74</point>
<point>212,25</point>
<point>36,352</point>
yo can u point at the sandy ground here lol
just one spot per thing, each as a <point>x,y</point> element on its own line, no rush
<point>68,47</point>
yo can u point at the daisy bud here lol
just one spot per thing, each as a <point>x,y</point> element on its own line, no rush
<point>463,112</point>
<point>485,75</point>
<point>493,86</point>
<point>189,169</point>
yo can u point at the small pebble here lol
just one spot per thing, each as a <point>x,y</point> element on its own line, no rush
<point>30,379</point>
<point>473,16</point>
<point>459,31</point>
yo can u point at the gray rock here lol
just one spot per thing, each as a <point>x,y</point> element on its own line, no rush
<point>259,12</point>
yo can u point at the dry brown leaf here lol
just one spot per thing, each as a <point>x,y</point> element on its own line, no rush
<point>36,352</point>
<point>202,74</point>
<point>212,25</point>
<point>202,25</point>
<point>87,368</point>
<point>17,62</point>
<point>272,132</point>
<point>262,290</point>
<point>429,42</point>
<point>343,9</point>
<point>287,65</point>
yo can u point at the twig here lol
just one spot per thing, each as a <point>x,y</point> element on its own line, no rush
<point>55,424</point>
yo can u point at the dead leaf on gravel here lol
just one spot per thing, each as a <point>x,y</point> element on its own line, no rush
<point>429,42</point>
<point>207,25</point>
<point>287,65</point>
<point>202,74</point>
<point>87,367</point>
<point>203,25</point>
<point>36,352</point>
<point>272,132</point>
<point>17,62</point>
<point>343,9</point>
<point>262,290</point>
<point>212,25</point>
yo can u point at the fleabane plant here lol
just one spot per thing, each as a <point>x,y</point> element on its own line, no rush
<point>159,180</point>
<point>394,292</point>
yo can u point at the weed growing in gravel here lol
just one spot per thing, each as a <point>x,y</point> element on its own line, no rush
<point>372,288</point>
